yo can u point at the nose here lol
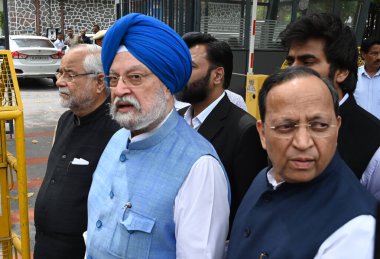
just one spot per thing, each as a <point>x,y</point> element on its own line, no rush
<point>302,139</point>
<point>120,89</point>
<point>61,82</point>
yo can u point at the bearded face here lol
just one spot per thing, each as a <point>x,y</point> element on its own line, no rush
<point>198,90</point>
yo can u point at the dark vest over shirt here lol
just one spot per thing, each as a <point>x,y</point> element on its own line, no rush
<point>294,220</point>
<point>359,136</point>
<point>61,205</point>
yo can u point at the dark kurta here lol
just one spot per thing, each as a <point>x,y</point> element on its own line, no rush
<point>295,219</point>
<point>61,207</point>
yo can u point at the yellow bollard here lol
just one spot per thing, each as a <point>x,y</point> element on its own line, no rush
<point>253,87</point>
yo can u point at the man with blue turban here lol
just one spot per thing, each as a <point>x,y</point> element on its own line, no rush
<point>160,190</point>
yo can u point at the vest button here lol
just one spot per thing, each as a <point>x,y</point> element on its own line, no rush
<point>52,181</point>
<point>247,232</point>
<point>99,224</point>
<point>128,205</point>
<point>63,156</point>
<point>123,158</point>
<point>111,194</point>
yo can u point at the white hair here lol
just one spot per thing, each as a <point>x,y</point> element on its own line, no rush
<point>92,61</point>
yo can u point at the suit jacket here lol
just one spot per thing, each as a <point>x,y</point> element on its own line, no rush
<point>359,136</point>
<point>233,133</point>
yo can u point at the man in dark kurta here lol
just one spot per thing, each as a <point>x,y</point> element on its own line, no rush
<point>309,204</point>
<point>81,136</point>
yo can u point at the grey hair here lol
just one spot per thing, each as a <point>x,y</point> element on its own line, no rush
<point>92,61</point>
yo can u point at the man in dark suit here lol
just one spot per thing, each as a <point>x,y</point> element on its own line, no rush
<point>323,43</point>
<point>231,130</point>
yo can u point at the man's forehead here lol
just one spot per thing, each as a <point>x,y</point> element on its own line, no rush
<point>73,59</point>
<point>309,46</point>
<point>198,51</point>
<point>125,62</point>
<point>298,93</point>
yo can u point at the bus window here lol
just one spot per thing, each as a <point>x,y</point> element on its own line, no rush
<point>349,12</point>
<point>284,14</point>
<point>314,6</point>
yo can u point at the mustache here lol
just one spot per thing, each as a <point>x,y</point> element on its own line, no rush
<point>64,90</point>
<point>126,99</point>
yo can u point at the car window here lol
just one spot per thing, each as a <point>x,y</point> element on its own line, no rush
<point>33,43</point>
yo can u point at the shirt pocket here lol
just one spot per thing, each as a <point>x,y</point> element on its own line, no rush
<point>132,236</point>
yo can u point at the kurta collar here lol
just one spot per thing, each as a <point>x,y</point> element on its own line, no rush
<point>158,134</point>
<point>102,110</point>
<point>331,168</point>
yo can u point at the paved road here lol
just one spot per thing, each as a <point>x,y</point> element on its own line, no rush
<point>41,112</point>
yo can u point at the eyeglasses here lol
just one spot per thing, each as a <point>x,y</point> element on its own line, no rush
<point>71,76</point>
<point>133,79</point>
<point>316,129</point>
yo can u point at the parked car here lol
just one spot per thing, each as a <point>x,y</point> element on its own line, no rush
<point>34,56</point>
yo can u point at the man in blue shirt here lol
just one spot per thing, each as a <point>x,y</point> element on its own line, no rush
<point>367,93</point>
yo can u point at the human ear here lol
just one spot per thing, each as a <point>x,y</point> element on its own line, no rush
<point>260,129</point>
<point>341,75</point>
<point>219,75</point>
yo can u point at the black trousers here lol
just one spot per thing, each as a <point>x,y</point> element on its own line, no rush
<point>57,246</point>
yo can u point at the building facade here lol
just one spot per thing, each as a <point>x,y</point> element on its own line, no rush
<point>46,17</point>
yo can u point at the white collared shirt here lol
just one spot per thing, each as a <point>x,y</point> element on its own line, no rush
<point>197,121</point>
<point>367,92</point>
<point>201,208</point>
<point>355,239</point>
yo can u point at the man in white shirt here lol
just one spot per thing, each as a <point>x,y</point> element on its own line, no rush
<point>59,43</point>
<point>233,97</point>
<point>231,130</point>
<point>367,93</point>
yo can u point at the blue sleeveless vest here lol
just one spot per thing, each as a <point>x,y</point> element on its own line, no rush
<point>294,220</point>
<point>132,196</point>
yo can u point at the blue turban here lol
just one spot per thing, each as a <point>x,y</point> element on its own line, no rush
<point>154,44</point>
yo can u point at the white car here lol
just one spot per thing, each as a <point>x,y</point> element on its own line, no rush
<point>34,56</point>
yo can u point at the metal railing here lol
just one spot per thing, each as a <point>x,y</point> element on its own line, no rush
<point>12,171</point>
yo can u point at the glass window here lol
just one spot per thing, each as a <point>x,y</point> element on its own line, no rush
<point>33,43</point>
<point>349,12</point>
<point>314,6</point>
<point>284,14</point>
<point>262,10</point>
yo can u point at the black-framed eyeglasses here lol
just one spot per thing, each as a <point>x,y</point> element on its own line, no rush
<point>71,76</point>
<point>133,79</point>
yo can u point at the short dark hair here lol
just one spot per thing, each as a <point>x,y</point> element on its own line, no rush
<point>289,74</point>
<point>368,43</point>
<point>340,43</point>
<point>97,26</point>
<point>219,53</point>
